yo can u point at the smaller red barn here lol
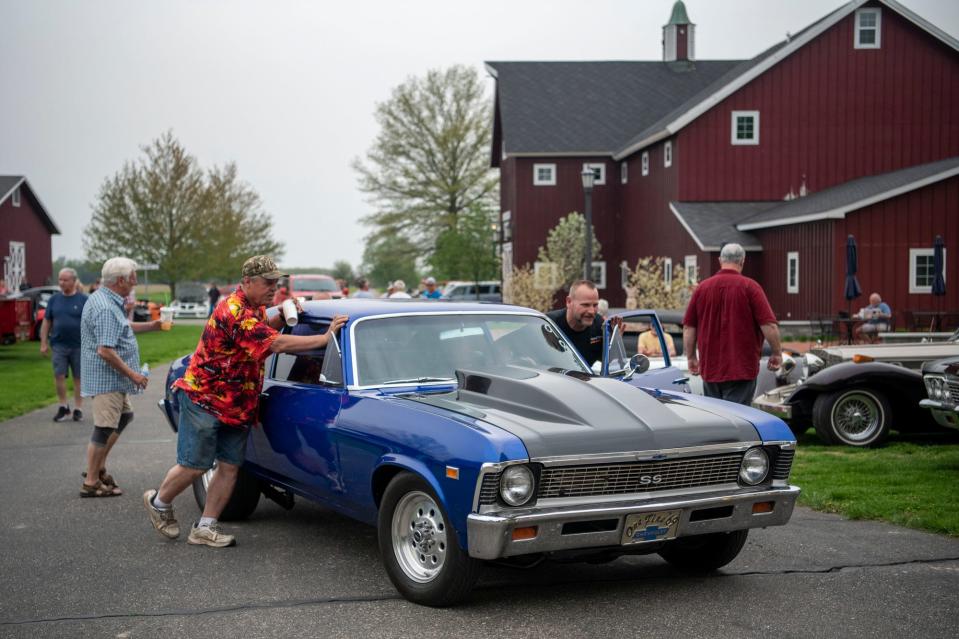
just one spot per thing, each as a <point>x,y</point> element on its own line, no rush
<point>25,232</point>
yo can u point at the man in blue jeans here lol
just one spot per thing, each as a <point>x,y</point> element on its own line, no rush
<point>60,336</point>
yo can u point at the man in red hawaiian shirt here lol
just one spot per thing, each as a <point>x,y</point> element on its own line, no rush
<point>218,397</point>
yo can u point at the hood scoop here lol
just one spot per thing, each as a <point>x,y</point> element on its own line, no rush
<point>521,392</point>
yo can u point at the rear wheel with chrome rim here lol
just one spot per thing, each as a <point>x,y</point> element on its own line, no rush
<point>855,417</point>
<point>420,550</point>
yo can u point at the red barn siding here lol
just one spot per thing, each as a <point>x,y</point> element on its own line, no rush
<point>819,271</point>
<point>23,224</point>
<point>884,234</point>
<point>832,113</point>
<point>537,209</point>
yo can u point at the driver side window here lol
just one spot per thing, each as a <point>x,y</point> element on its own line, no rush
<point>322,366</point>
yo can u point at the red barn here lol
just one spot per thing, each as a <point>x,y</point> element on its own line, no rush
<point>25,232</point>
<point>851,126</point>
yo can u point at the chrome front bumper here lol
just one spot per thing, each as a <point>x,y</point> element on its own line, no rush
<point>490,536</point>
<point>774,402</point>
<point>944,414</point>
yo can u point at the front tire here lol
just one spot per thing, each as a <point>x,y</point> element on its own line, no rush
<point>856,417</point>
<point>419,546</point>
<point>702,554</point>
<point>243,501</point>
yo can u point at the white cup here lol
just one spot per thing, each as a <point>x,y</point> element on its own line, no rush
<point>288,308</point>
<point>166,318</point>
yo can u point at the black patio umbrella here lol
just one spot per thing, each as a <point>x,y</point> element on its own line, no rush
<point>938,276</point>
<point>852,265</point>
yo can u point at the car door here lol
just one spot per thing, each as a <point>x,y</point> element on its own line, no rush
<point>620,344</point>
<point>299,407</point>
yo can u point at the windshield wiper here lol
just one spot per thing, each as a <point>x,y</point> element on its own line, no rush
<point>420,380</point>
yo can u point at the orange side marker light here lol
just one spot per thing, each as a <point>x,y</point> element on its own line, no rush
<point>526,532</point>
<point>763,507</point>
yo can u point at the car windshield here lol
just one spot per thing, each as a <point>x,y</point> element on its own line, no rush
<point>319,284</point>
<point>431,348</point>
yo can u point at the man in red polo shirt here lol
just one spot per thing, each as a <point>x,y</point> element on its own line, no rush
<point>728,317</point>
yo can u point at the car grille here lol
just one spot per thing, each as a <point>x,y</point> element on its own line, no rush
<point>783,464</point>
<point>639,477</point>
<point>489,489</point>
<point>953,385</point>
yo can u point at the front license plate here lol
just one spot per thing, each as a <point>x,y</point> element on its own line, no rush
<point>644,527</point>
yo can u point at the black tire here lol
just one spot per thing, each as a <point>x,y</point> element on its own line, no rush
<point>243,501</point>
<point>854,417</point>
<point>428,566</point>
<point>701,554</point>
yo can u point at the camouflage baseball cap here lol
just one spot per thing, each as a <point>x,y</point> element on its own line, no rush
<point>262,266</point>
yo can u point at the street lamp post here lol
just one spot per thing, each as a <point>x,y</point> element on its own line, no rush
<point>588,177</point>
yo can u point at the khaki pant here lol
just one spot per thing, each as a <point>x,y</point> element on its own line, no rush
<point>108,407</point>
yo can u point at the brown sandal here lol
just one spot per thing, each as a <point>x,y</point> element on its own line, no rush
<point>99,490</point>
<point>107,479</point>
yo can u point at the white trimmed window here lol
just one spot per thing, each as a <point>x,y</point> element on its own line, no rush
<point>745,127</point>
<point>15,198</point>
<point>545,275</point>
<point>668,272</point>
<point>668,154</point>
<point>691,262</point>
<point>507,226</point>
<point>868,28</point>
<point>544,175</point>
<point>598,275</point>
<point>922,271</point>
<point>599,172</point>
<point>792,272</point>
<point>645,162</point>
<point>623,173</point>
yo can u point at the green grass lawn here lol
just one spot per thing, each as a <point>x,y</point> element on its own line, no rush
<point>26,377</point>
<point>912,481</point>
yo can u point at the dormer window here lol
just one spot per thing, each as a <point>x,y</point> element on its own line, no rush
<point>623,173</point>
<point>645,162</point>
<point>15,198</point>
<point>868,28</point>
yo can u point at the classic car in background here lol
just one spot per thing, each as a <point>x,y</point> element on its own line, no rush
<point>941,379</point>
<point>671,322</point>
<point>485,291</point>
<point>310,286</point>
<point>853,394</point>
<point>191,301</point>
<point>475,432</point>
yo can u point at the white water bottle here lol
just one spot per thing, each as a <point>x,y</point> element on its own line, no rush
<point>145,370</point>
<point>288,308</point>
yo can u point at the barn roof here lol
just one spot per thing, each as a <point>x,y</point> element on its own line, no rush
<point>618,108</point>
<point>711,224</point>
<point>9,183</point>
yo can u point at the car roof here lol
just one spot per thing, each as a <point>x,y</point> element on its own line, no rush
<point>312,276</point>
<point>365,307</point>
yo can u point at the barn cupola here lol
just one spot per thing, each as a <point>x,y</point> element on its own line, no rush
<point>679,35</point>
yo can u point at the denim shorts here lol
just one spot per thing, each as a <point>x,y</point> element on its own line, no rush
<point>65,357</point>
<point>202,438</point>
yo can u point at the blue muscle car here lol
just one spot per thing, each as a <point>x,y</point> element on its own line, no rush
<point>475,432</point>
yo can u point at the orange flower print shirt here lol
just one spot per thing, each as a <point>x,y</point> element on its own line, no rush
<point>226,372</point>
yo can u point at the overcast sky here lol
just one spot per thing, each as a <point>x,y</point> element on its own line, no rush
<point>287,89</point>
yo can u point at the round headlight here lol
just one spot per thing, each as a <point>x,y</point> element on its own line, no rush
<point>936,388</point>
<point>755,466</point>
<point>516,485</point>
<point>814,364</point>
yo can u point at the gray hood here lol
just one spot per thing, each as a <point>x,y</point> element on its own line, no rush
<point>557,414</point>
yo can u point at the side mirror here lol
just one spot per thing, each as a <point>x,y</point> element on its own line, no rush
<point>637,364</point>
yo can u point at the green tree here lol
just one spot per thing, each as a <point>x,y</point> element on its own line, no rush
<point>387,259</point>
<point>164,209</point>
<point>467,252</point>
<point>87,271</point>
<point>430,161</point>
<point>343,270</point>
<point>564,248</point>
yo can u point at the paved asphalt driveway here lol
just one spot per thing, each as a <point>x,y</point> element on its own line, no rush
<point>74,567</point>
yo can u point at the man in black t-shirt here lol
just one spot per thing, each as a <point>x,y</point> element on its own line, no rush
<point>580,321</point>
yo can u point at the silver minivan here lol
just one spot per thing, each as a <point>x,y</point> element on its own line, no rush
<point>488,291</point>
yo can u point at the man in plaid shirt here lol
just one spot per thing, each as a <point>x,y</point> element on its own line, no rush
<point>110,361</point>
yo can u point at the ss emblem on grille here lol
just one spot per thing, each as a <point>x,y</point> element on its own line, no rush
<point>645,480</point>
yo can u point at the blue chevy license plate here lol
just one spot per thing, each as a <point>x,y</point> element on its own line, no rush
<point>645,527</point>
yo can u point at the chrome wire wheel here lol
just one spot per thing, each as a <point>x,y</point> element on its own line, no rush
<point>419,537</point>
<point>857,417</point>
